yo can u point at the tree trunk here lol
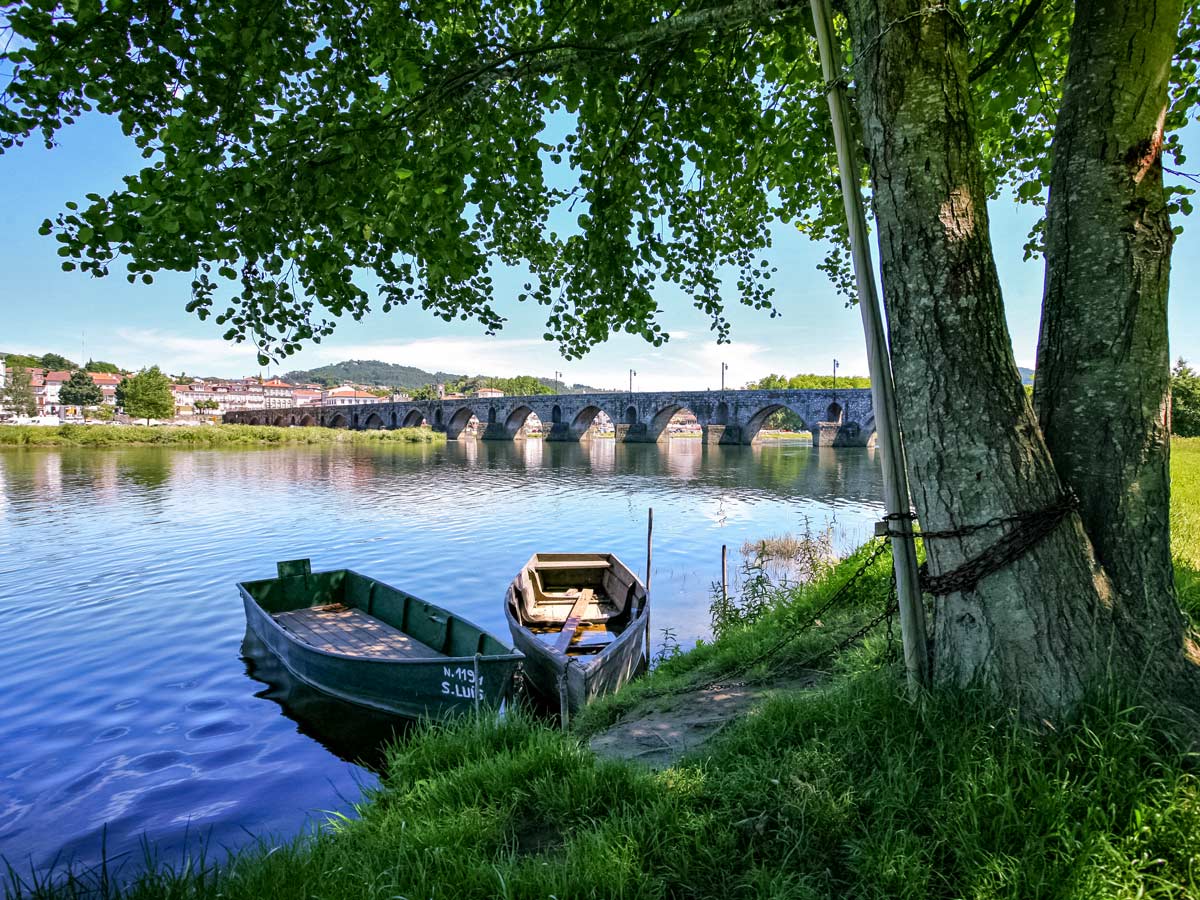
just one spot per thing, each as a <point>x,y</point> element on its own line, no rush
<point>1035,632</point>
<point>1103,370</point>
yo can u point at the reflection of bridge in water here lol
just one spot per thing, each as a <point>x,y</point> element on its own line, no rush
<point>835,418</point>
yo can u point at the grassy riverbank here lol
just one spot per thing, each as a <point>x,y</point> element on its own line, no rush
<point>842,790</point>
<point>202,436</point>
<point>1185,523</point>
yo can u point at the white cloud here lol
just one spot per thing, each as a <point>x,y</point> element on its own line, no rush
<point>175,353</point>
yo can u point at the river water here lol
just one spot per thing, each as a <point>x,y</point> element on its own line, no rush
<point>131,714</point>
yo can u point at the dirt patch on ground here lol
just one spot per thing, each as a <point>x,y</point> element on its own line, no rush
<point>663,729</point>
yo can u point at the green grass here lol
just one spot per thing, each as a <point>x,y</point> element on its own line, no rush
<point>848,790</point>
<point>1185,523</point>
<point>201,436</point>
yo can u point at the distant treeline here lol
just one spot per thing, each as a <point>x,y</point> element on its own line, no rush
<point>53,362</point>
<point>808,382</point>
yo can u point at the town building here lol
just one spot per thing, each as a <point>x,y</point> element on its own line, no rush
<point>488,393</point>
<point>347,395</point>
<point>302,396</point>
<point>277,394</point>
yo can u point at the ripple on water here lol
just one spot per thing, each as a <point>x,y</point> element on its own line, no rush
<point>129,710</point>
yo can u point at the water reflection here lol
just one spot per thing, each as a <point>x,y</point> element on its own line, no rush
<point>352,733</point>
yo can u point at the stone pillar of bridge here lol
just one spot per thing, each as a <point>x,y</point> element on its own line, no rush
<point>722,434</point>
<point>632,434</point>
<point>839,434</point>
<point>495,431</point>
<point>560,431</point>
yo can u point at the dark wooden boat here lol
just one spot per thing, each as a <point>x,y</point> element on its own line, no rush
<point>368,643</point>
<point>581,620</point>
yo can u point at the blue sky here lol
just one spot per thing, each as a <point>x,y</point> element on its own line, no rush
<point>45,309</point>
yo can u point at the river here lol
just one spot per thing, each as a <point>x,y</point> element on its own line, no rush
<point>131,713</point>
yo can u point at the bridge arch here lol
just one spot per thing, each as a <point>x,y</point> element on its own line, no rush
<point>280,422</point>
<point>556,414</point>
<point>395,417</point>
<point>517,420</point>
<point>833,413</point>
<point>307,421</point>
<point>721,414</point>
<point>491,415</point>
<point>755,423</point>
<point>339,420</point>
<point>459,422</point>
<point>374,422</point>
<point>659,426</point>
<point>584,423</point>
<point>438,418</point>
<point>413,419</point>
<point>630,416</point>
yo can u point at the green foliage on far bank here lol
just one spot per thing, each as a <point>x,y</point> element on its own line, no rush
<point>147,395</point>
<point>808,382</point>
<point>202,436</point>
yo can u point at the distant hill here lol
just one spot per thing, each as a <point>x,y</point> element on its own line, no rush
<point>1026,375</point>
<point>374,371</point>
<point>369,371</point>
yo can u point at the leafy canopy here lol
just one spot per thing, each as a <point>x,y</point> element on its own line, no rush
<point>94,365</point>
<point>80,390</point>
<point>18,394</point>
<point>305,158</point>
<point>147,395</point>
<point>1185,400</point>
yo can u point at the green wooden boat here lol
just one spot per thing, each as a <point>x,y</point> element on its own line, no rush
<point>368,643</point>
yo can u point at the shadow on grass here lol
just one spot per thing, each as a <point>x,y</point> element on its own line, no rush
<point>1187,589</point>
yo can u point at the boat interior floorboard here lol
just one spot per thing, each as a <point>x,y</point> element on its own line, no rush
<point>343,629</point>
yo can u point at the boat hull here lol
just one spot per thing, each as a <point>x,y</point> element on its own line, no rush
<point>588,677</point>
<point>434,687</point>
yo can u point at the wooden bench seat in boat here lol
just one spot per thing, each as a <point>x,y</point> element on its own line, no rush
<point>336,628</point>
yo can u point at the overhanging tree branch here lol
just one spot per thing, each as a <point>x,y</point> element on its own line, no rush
<point>1027,15</point>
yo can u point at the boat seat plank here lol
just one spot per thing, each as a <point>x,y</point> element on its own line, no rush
<point>572,564</point>
<point>573,619</point>
<point>336,628</point>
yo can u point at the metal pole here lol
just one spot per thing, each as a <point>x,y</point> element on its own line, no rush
<point>883,397</point>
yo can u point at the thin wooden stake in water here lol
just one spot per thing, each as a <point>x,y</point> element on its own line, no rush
<point>477,685</point>
<point>724,575</point>
<point>564,710</point>
<point>883,391</point>
<point>649,559</point>
<point>649,546</point>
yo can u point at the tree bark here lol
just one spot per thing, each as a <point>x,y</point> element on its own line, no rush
<point>1103,369</point>
<point>1034,633</point>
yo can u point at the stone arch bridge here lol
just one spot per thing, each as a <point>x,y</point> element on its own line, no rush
<point>836,418</point>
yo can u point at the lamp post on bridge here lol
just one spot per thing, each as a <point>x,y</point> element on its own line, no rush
<point>557,376</point>
<point>631,374</point>
<point>724,369</point>
<point>835,365</point>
